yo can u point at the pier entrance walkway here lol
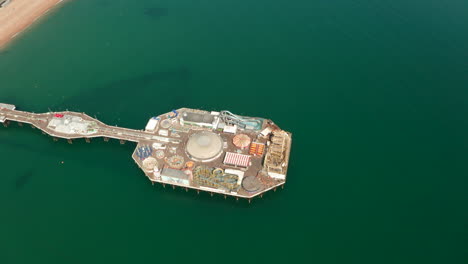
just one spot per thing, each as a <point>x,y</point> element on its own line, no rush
<point>73,125</point>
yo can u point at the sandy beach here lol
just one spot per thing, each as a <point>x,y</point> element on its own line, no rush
<point>19,14</point>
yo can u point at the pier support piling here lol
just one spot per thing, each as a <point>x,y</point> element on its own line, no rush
<point>88,140</point>
<point>122,142</point>
<point>106,139</point>
<point>55,139</point>
<point>20,124</point>
<point>70,141</point>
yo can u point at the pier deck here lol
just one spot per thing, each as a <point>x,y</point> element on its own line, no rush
<point>41,122</point>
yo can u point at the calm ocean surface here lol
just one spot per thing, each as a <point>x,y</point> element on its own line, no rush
<point>374,92</point>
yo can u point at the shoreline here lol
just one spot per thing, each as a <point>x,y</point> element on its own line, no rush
<point>19,15</point>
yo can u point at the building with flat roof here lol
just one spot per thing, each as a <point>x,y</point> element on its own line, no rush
<point>174,176</point>
<point>198,119</point>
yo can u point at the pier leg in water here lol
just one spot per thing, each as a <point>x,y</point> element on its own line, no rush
<point>122,142</point>
<point>88,140</point>
<point>33,127</point>
<point>186,189</point>
<point>250,200</point>
<point>164,185</point>
<point>69,141</point>
<point>5,124</point>
<point>224,197</point>
<point>261,195</point>
<point>55,139</point>
<point>20,124</point>
<point>173,187</point>
<point>198,191</point>
<point>106,139</point>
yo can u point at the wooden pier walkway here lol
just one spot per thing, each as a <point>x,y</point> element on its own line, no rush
<point>41,121</point>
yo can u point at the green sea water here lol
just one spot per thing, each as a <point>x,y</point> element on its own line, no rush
<point>374,92</point>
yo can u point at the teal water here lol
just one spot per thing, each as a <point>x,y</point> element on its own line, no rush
<point>374,92</point>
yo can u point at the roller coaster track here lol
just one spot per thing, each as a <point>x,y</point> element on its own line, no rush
<point>240,121</point>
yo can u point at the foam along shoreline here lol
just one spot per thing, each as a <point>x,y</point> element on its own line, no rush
<point>18,15</point>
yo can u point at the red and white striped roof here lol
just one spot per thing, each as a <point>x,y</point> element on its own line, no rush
<point>237,159</point>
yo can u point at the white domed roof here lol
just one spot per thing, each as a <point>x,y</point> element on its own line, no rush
<point>204,146</point>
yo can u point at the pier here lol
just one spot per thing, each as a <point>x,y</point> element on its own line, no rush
<point>216,152</point>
